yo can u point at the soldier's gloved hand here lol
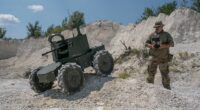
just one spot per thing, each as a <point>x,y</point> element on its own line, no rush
<point>162,46</point>
<point>156,46</point>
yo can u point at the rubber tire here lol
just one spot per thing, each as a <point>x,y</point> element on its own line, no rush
<point>70,78</point>
<point>104,58</point>
<point>34,82</point>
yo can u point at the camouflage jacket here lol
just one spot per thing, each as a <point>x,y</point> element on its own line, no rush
<point>164,38</point>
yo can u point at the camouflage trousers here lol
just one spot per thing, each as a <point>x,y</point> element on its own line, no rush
<point>164,69</point>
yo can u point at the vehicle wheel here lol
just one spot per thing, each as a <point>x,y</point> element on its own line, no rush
<point>103,63</point>
<point>70,78</point>
<point>34,82</point>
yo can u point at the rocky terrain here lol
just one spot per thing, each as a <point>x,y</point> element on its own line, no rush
<point>126,87</point>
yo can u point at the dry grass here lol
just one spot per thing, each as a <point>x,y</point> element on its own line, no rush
<point>139,53</point>
<point>185,55</point>
<point>195,65</point>
<point>174,69</point>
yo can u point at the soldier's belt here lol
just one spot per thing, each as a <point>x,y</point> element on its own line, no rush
<point>159,61</point>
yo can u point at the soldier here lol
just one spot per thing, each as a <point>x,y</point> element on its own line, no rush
<point>159,43</point>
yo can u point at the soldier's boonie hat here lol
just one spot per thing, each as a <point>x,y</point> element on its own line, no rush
<point>158,24</point>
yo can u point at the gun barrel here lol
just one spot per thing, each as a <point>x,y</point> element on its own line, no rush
<point>48,52</point>
<point>53,50</point>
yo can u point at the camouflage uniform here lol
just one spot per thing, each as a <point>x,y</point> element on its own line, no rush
<point>160,57</point>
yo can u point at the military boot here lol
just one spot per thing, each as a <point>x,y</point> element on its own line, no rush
<point>150,79</point>
<point>167,86</point>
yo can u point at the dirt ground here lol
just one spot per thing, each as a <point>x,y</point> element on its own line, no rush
<point>104,93</point>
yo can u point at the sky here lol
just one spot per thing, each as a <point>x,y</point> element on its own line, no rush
<point>16,14</point>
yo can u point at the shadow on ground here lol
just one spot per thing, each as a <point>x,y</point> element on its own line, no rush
<point>92,83</point>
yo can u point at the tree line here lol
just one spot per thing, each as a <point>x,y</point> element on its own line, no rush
<point>77,19</point>
<point>74,21</point>
<point>168,8</point>
<point>34,30</point>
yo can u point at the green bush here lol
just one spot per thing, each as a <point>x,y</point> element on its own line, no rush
<point>2,33</point>
<point>64,23</point>
<point>124,75</point>
<point>75,21</point>
<point>146,14</point>
<point>196,5</point>
<point>166,8</point>
<point>183,55</point>
<point>135,52</point>
<point>34,30</point>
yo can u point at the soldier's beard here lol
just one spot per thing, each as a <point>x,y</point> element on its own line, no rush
<point>158,31</point>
